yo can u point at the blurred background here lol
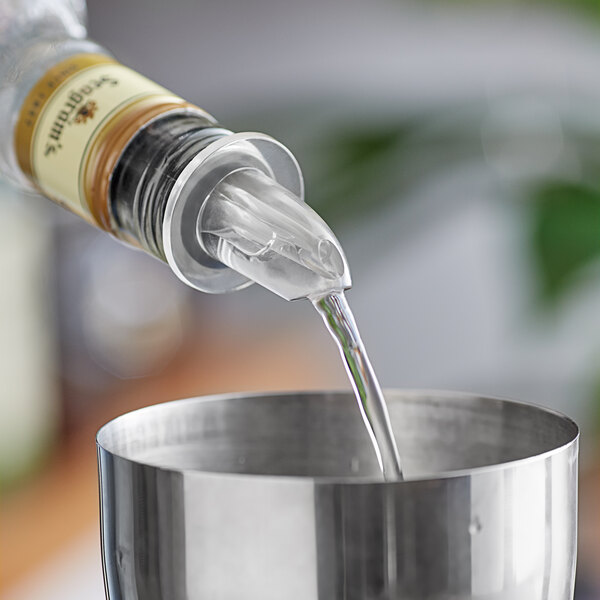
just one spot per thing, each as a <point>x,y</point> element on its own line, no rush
<point>453,146</point>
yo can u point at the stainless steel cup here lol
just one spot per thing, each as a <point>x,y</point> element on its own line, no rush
<point>260,497</point>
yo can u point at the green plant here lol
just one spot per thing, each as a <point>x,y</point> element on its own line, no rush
<point>565,235</point>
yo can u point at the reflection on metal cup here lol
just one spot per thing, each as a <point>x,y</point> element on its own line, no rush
<point>279,496</point>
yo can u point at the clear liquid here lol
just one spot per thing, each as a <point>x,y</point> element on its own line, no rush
<point>339,320</point>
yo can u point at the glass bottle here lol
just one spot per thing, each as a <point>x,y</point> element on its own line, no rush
<point>222,209</point>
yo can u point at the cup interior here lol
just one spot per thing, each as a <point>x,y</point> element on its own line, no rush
<point>321,435</point>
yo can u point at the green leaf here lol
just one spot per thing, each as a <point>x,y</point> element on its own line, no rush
<point>592,6</point>
<point>566,235</point>
<point>353,170</point>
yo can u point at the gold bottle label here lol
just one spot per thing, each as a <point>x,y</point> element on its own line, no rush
<point>76,121</point>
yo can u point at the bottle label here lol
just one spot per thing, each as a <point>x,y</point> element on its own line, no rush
<point>68,114</point>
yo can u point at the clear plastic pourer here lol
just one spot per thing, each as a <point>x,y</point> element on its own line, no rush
<point>261,230</point>
<point>241,219</point>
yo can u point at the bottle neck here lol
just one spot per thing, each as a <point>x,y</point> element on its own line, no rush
<point>147,170</point>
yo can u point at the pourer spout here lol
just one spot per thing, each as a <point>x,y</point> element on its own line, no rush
<point>263,231</point>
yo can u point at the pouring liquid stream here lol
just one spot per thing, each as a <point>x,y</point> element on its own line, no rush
<point>263,231</point>
<point>338,317</point>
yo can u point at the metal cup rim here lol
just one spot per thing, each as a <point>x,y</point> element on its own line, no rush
<point>348,480</point>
